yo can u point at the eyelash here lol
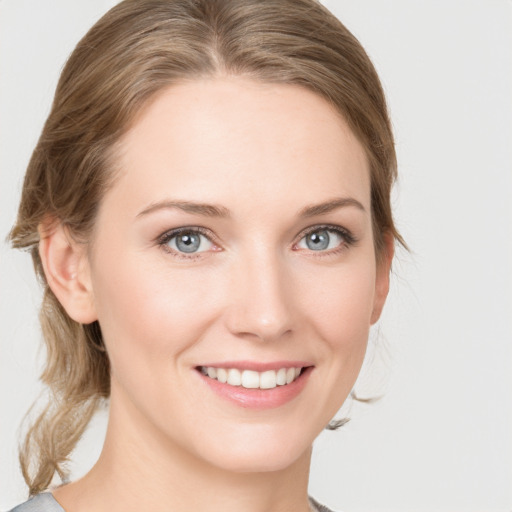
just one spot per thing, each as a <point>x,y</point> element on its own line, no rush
<point>348,238</point>
<point>164,239</point>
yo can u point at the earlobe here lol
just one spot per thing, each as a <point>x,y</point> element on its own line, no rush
<point>382,277</point>
<point>66,269</point>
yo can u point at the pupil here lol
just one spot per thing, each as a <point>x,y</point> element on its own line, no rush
<point>318,241</point>
<point>188,242</point>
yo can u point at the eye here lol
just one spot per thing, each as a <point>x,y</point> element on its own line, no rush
<point>186,241</point>
<point>324,239</point>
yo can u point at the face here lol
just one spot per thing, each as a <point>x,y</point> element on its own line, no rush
<point>236,242</point>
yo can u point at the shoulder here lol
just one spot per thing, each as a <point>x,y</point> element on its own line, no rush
<point>317,507</point>
<point>44,502</point>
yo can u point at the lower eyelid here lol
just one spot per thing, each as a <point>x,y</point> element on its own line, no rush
<point>164,242</point>
<point>347,238</point>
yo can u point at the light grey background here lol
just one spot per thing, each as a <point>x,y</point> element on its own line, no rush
<point>441,439</point>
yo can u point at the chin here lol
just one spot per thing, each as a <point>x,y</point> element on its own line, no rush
<point>258,453</point>
<point>258,464</point>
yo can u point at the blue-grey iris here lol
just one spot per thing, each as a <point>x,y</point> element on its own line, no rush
<point>188,242</point>
<point>318,241</point>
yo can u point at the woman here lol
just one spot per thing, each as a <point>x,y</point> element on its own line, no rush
<point>208,207</point>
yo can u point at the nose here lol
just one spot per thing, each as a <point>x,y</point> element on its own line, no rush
<point>261,303</point>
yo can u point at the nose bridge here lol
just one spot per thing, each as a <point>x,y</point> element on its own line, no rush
<point>261,303</point>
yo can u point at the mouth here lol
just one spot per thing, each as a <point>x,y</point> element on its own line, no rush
<point>251,379</point>
<point>256,386</point>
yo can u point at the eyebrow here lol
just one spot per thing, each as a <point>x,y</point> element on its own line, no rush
<point>208,210</point>
<point>329,206</point>
<point>212,210</point>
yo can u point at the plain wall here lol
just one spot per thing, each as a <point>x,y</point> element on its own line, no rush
<point>441,438</point>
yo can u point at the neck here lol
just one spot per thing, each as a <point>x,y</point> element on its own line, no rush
<point>139,471</point>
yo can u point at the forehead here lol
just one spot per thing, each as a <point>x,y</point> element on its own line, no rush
<point>233,138</point>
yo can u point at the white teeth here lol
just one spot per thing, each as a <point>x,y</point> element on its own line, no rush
<point>281,377</point>
<point>222,375</point>
<point>268,380</point>
<point>250,379</point>
<point>234,377</point>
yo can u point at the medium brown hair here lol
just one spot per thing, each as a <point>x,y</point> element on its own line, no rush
<point>135,50</point>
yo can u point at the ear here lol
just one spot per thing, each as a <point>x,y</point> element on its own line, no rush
<point>67,272</point>
<point>382,277</point>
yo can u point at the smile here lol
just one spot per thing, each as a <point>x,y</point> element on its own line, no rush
<point>256,385</point>
<point>250,379</point>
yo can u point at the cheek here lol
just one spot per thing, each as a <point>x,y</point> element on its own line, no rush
<point>337,304</point>
<point>148,314</point>
<point>341,304</point>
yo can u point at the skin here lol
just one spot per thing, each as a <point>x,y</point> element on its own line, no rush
<point>255,292</point>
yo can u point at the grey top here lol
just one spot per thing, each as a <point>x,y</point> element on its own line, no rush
<point>45,502</point>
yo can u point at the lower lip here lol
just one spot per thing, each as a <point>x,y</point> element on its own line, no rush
<point>259,399</point>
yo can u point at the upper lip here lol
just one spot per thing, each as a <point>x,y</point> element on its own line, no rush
<point>258,366</point>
